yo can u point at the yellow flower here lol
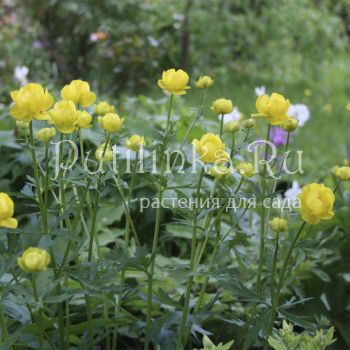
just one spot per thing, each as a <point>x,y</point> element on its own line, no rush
<point>211,149</point>
<point>328,108</point>
<point>245,169</point>
<point>347,106</point>
<point>34,260</point>
<point>342,172</point>
<point>30,101</point>
<point>46,134</point>
<point>6,211</point>
<point>84,120</point>
<point>307,92</point>
<point>204,82</point>
<point>290,125</point>
<point>111,122</point>
<point>278,224</point>
<point>232,126</point>
<point>220,172</point>
<point>316,202</point>
<point>248,123</point>
<point>78,91</point>
<point>134,142</point>
<point>64,116</point>
<point>103,108</point>
<point>174,81</point>
<point>273,107</point>
<point>104,153</point>
<point>222,106</point>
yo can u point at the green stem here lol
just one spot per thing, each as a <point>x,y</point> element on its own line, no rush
<point>156,233</point>
<point>262,216</point>
<point>180,339</point>
<point>4,330</point>
<point>35,293</point>
<point>127,237</point>
<point>221,124</point>
<point>232,146</point>
<point>47,180</point>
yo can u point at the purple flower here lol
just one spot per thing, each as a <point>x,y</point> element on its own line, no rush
<point>278,136</point>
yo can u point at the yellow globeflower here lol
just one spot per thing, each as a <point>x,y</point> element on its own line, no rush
<point>274,108</point>
<point>34,260</point>
<point>316,201</point>
<point>84,120</point>
<point>278,224</point>
<point>222,106</point>
<point>232,126</point>
<point>30,101</point>
<point>45,134</point>
<point>111,122</point>
<point>104,153</point>
<point>103,108</point>
<point>290,124</point>
<point>64,116</point>
<point>79,92</point>
<point>174,81</point>
<point>134,142</point>
<point>342,172</point>
<point>307,92</point>
<point>248,123</point>
<point>211,149</point>
<point>204,82</point>
<point>6,211</point>
<point>245,169</point>
<point>220,172</point>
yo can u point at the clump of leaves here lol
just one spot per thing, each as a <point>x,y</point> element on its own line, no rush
<point>209,345</point>
<point>286,339</point>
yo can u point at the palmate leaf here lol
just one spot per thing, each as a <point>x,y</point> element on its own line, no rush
<point>299,320</point>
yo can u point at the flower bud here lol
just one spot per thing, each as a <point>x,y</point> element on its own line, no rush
<point>204,82</point>
<point>248,123</point>
<point>45,134</point>
<point>245,169</point>
<point>232,126</point>
<point>111,122</point>
<point>342,172</point>
<point>222,106</point>
<point>220,172</point>
<point>134,142</point>
<point>34,260</point>
<point>103,108</point>
<point>290,125</point>
<point>278,224</point>
<point>22,125</point>
<point>104,153</point>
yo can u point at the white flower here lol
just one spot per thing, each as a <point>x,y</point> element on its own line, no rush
<point>300,112</point>
<point>234,116</point>
<point>260,90</point>
<point>293,192</point>
<point>20,74</point>
<point>93,37</point>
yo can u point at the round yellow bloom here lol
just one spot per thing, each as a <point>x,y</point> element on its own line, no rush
<point>84,120</point>
<point>34,260</point>
<point>232,126</point>
<point>45,134</point>
<point>278,224</point>
<point>204,82</point>
<point>104,153</point>
<point>30,101</point>
<point>6,211</point>
<point>134,142</point>
<point>222,106</point>
<point>64,116</point>
<point>111,122</point>
<point>245,169</point>
<point>342,172</point>
<point>274,108</point>
<point>307,92</point>
<point>347,106</point>
<point>78,91</point>
<point>174,81</point>
<point>103,108</point>
<point>316,202</point>
<point>211,149</point>
<point>290,125</point>
<point>248,123</point>
<point>220,172</point>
